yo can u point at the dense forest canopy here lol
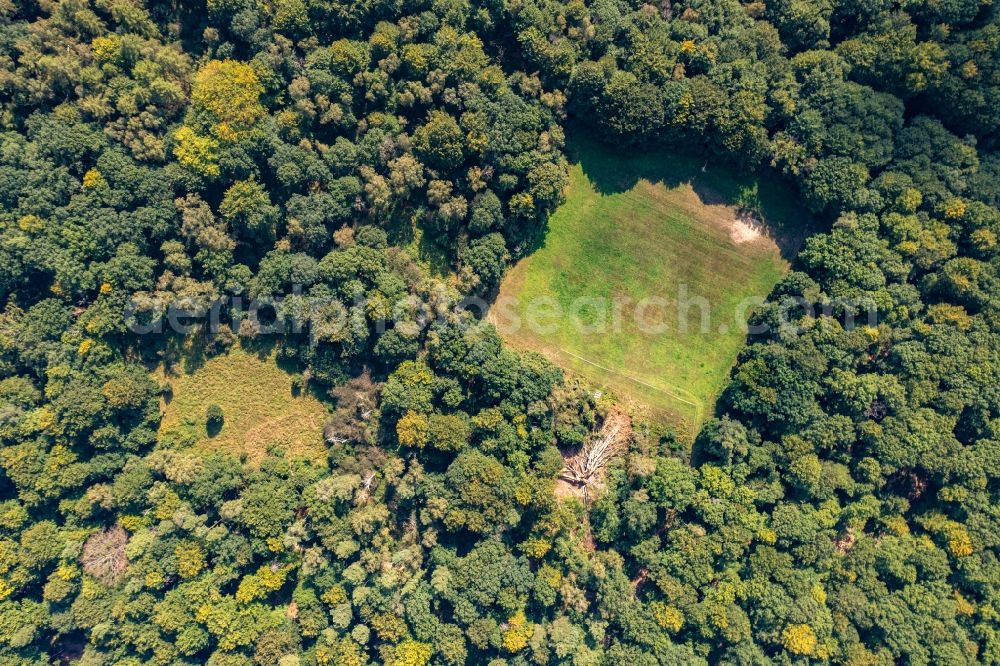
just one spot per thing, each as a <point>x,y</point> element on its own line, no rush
<point>843,507</point>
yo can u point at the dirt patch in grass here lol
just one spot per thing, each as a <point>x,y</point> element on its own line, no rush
<point>260,409</point>
<point>566,490</point>
<point>707,205</point>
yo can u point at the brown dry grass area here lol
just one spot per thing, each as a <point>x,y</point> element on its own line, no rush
<point>259,408</point>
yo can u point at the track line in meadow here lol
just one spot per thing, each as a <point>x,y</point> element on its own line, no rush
<point>697,407</point>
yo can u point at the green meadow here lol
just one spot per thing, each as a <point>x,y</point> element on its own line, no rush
<point>636,239</point>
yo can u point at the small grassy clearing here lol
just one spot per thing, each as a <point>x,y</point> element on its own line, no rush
<point>259,407</point>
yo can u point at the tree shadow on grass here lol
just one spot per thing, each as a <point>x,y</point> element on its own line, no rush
<point>213,428</point>
<point>531,239</point>
<point>763,201</point>
<point>183,355</point>
<point>419,239</point>
<point>262,346</point>
<point>439,259</point>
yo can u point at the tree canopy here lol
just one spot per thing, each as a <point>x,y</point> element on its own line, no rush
<point>841,507</point>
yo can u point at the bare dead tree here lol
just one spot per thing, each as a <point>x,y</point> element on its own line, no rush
<point>365,489</point>
<point>356,400</point>
<point>104,555</point>
<point>331,437</point>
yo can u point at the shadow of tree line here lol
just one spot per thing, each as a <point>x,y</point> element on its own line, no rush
<point>764,200</point>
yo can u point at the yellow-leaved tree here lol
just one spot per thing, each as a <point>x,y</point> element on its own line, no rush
<point>228,92</point>
<point>225,103</point>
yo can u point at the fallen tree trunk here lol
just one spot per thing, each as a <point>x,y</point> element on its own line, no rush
<point>595,455</point>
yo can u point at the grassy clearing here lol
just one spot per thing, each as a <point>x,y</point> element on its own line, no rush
<point>646,226</point>
<point>259,408</point>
